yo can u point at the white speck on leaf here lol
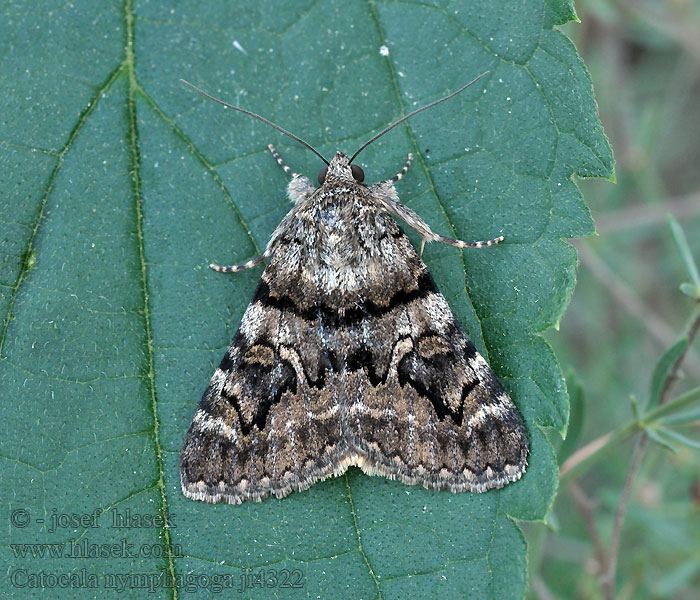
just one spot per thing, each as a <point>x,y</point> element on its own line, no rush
<point>237,46</point>
<point>384,51</point>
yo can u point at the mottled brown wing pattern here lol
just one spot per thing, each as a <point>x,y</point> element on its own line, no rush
<point>264,424</point>
<point>349,355</point>
<point>440,418</point>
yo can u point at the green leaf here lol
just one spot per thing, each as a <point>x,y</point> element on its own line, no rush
<point>684,250</point>
<point>121,186</point>
<point>675,578</point>
<point>681,439</point>
<point>660,437</point>
<point>661,369</point>
<point>634,406</point>
<point>577,400</point>
<point>684,417</point>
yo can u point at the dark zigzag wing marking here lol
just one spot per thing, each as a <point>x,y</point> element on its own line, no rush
<point>351,316</point>
<point>422,373</point>
<point>452,425</point>
<point>427,374</point>
<point>251,436</point>
<point>261,360</point>
<point>279,373</point>
<point>255,363</point>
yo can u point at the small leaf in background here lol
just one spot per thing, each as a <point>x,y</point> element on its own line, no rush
<point>662,368</point>
<point>674,579</point>
<point>660,437</point>
<point>684,250</point>
<point>577,402</point>
<point>677,410</point>
<point>681,439</point>
<point>684,417</point>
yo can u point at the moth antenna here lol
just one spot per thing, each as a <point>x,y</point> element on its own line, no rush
<point>415,112</point>
<point>263,119</point>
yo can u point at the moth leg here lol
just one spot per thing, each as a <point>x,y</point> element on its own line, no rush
<point>253,262</point>
<point>387,196</point>
<point>403,171</point>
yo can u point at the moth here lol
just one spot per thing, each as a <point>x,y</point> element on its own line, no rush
<point>349,355</point>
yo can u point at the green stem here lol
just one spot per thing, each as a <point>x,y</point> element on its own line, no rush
<point>671,407</point>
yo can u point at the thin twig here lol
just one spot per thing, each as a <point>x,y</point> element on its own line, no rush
<point>583,454</point>
<point>587,509</point>
<point>585,457</point>
<point>611,568</point>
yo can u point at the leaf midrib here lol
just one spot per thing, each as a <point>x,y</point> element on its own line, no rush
<point>138,201</point>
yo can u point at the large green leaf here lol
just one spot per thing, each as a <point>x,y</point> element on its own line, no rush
<point>120,186</point>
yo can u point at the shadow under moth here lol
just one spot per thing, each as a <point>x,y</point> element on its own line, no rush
<point>349,355</point>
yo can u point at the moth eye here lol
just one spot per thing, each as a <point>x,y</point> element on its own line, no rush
<point>357,173</point>
<point>322,175</point>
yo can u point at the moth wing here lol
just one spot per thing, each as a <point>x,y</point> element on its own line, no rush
<point>428,409</point>
<point>255,432</point>
<point>439,417</point>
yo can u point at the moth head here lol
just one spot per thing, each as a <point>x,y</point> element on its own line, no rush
<point>339,168</point>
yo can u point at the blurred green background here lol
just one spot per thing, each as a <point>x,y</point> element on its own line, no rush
<point>644,60</point>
